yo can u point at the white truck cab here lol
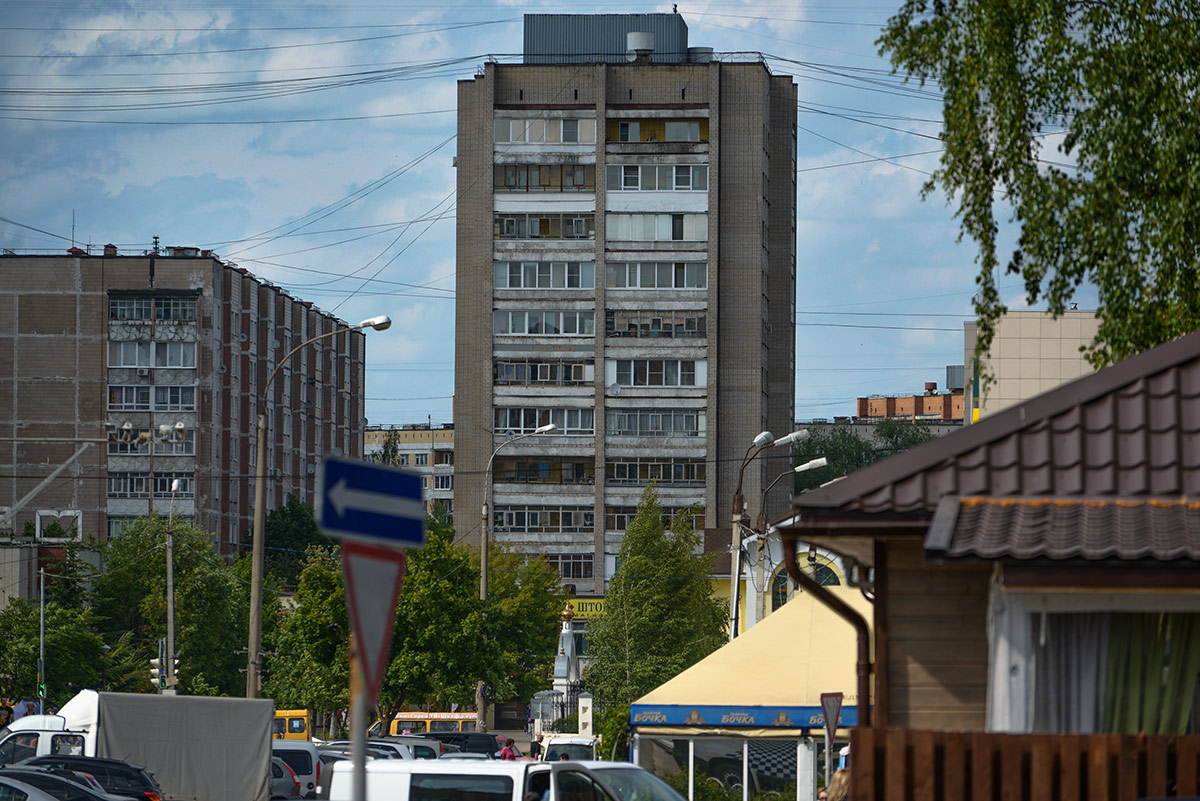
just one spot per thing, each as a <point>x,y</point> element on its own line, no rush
<point>39,735</point>
<point>484,780</point>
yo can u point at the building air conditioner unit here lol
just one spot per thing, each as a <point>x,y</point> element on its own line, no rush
<point>143,371</point>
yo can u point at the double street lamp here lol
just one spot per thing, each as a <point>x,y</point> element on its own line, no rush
<point>760,443</point>
<point>253,665</point>
<point>485,524</point>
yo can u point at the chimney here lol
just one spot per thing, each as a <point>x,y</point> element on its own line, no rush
<point>930,387</point>
<point>639,46</point>
<point>110,249</point>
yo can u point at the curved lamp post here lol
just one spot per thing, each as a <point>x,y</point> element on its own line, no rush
<point>763,441</point>
<point>480,700</point>
<point>380,323</point>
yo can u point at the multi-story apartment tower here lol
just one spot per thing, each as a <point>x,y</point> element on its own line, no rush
<point>160,360</point>
<point>422,448</point>
<point>626,270</point>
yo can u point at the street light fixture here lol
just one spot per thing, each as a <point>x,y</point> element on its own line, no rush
<point>480,701</point>
<point>760,443</point>
<point>379,323</point>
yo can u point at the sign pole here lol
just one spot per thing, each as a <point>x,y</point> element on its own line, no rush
<point>358,726</point>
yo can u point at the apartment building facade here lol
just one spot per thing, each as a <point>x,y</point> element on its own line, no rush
<point>626,271</point>
<point>153,366</point>
<point>421,448</point>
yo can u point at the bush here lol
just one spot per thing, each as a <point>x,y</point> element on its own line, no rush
<point>567,725</point>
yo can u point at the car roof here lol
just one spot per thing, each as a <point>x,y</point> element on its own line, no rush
<point>85,760</point>
<point>497,766</point>
<point>571,739</point>
<point>33,792</point>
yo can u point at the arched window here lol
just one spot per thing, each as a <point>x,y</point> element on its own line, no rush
<point>779,590</point>
<point>823,573</point>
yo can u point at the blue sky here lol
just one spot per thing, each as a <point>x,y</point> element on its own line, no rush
<point>312,144</point>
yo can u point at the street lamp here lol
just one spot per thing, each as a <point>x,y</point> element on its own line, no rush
<point>763,441</point>
<point>480,701</point>
<point>169,667</point>
<point>761,527</point>
<point>380,323</point>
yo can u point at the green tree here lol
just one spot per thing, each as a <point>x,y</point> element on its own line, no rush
<point>211,604</point>
<point>73,651</point>
<point>847,451</point>
<point>1119,80</point>
<point>660,614</point>
<point>525,601</point>
<point>310,669</point>
<point>290,531</point>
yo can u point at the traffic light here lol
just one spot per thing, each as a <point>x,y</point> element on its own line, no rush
<point>158,676</point>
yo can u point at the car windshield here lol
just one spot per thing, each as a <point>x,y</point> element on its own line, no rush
<point>635,784</point>
<point>574,751</point>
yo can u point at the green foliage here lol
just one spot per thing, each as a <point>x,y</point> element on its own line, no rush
<point>67,573</point>
<point>847,451</point>
<point>525,600</point>
<point>73,651</point>
<point>1119,79</point>
<point>310,669</point>
<point>612,724</point>
<point>211,606</point>
<point>660,615</point>
<point>290,531</point>
<point>567,725</point>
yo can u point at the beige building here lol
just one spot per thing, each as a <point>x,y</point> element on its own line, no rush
<point>627,271</point>
<point>421,448</point>
<point>1031,353</point>
<point>151,367</point>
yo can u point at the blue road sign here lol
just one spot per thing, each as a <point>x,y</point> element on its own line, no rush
<point>370,503</point>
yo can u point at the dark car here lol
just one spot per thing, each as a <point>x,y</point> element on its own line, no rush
<point>115,776</point>
<point>475,742</point>
<point>49,781</point>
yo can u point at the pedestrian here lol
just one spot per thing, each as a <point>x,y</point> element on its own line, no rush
<point>535,748</point>
<point>507,751</point>
<point>839,785</point>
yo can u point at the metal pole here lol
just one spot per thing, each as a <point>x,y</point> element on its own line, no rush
<point>358,726</point>
<point>256,559</point>
<point>169,667</point>
<point>41,688</point>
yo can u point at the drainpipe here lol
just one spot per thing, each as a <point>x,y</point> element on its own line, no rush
<point>844,611</point>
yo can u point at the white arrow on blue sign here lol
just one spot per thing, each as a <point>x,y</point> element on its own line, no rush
<point>370,503</point>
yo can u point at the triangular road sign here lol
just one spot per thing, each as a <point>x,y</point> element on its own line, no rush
<point>373,577</point>
<point>831,708</point>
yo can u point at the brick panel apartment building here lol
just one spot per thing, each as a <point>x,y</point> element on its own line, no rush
<point>626,255</point>
<point>157,359</point>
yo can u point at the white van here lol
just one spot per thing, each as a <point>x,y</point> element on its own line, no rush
<point>482,779</point>
<point>304,760</point>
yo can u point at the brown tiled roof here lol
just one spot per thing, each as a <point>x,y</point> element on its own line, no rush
<point>1129,431</point>
<point>1029,528</point>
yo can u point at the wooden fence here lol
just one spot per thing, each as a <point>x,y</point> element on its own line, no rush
<point>910,765</point>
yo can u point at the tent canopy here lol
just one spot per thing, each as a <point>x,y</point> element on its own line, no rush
<point>770,677</point>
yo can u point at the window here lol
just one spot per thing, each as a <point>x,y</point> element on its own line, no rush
<point>543,470</point>
<point>544,178</point>
<point>656,422</point>
<point>656,275</point>
<point>175,354</point>
<point>128,354</point>
<point>175,308</point>
<point>550,131</point>
<point>421,459</point>
<point>180,443</point>
<point>543,519</point>
<point>545,226</point>
<point>652,323</point>
<point>129,398</point>
<point>456,786</point>
<point>136,446</point>
<point>629,132</point>
<point>572,565</point>
<point>129,308</point>
<point>663,472</point>
<point>69,744</point>
<point>523,420</point>
<point>175,399</point>
<point>683,132</point>
<point>443,482</point>
<point>116,524</point>
<point>657,227</point>
<point>656,372</point>
<point>535,373</point>
<point>544,323</point>
<point>129,485</point>
<point>678,178</point>
<point>618,518</point>
<point>163,482</point>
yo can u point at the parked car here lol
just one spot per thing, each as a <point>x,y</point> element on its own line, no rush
<point>13,790</point>
<point>60,788</point>
<point>328,758</point>
<point>400,750</point>
<point>115,776</point>
<point>475,741</point>
<point>629,782</point>
<point>463,755</point>
<point>422,747</point>
<point>302,757</point>
<point>284,783</point>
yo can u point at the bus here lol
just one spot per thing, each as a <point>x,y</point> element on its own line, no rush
<point>291,724</point>
<point>423,722</point>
